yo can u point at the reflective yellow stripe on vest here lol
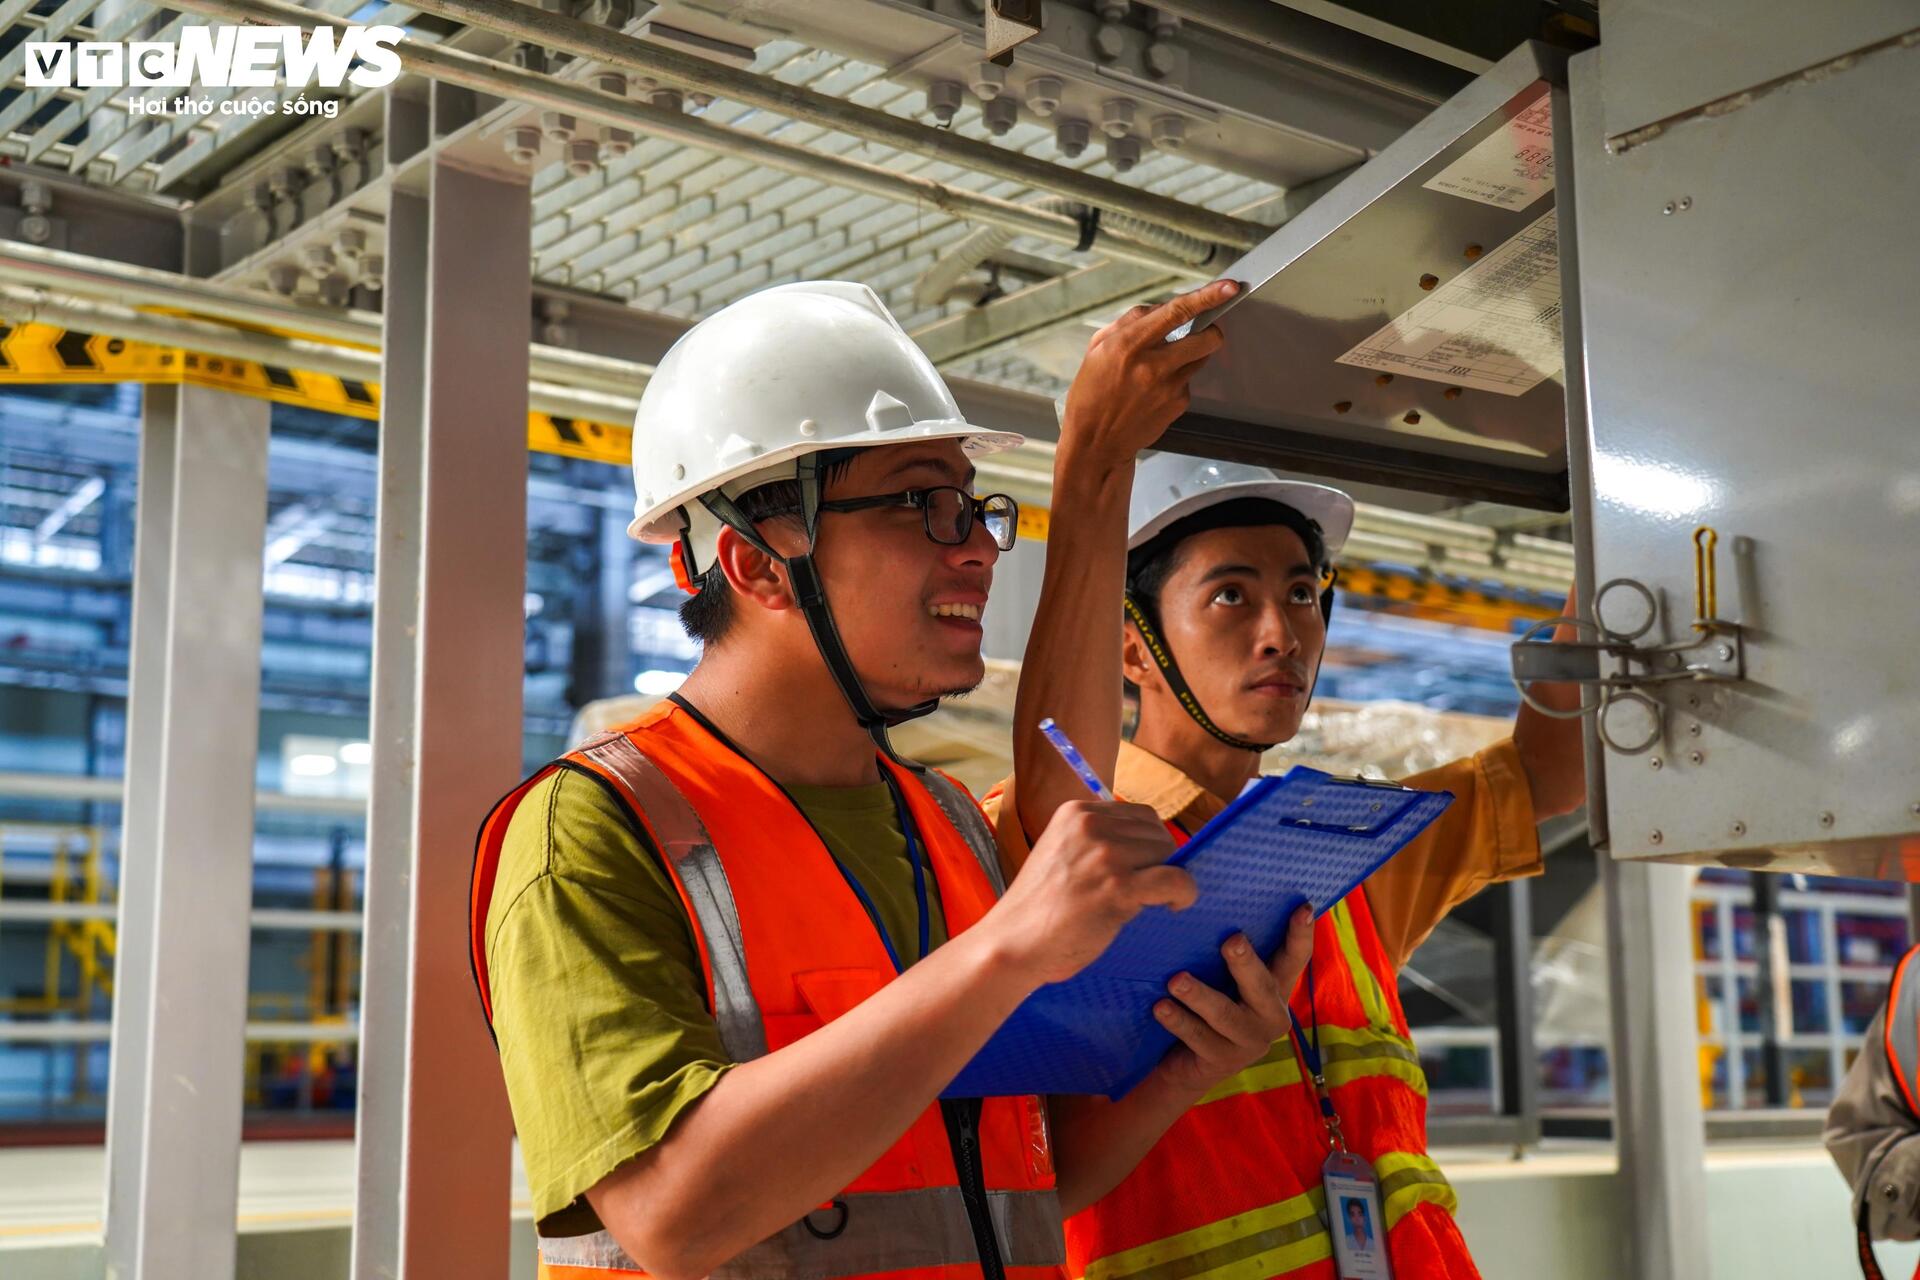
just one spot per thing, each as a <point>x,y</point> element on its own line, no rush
<point>1264,1242</point>
<point>1407,1180</point>
<point>1372,999</point>
<point>1348,1054</point>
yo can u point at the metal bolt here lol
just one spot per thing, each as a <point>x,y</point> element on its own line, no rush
<point>1111,10</point>
<point>1343,406</point>
<point>1109,42</point>
<point>1044,94</point>
<point>335,289</point>
<point>1071,137</point>
<point>944,98</point>
<point>583,157</point>
<point>1001,115</point>
<point>1826,819</point>
<point>989,81</point>
<point>612,82</point>
<point>1654,837</point>
<point>1656,764</point>
<point>1726,652</point>
<point>1428,282</point>
<point>1163,60</point>
<point>36,228</point>
<point>523,145</point>
<point>1668,209</point>
<point>1413,418</point>
<point>350,243</point>
<point>1169,132</point>
<point>36,196</point>
<point>614,143</point>
<point>373,271</point>
<point>1696,757</point>
<point>1738,828</point>
<point>1472,251</point>
<point>558,126</point>
<point>668,100</point>
<point>350,145</point>
<point>317,260</point>
<point>1124,153</point>
<point>700,101</point>
<point>1116,117</point>
<point>283,278</point>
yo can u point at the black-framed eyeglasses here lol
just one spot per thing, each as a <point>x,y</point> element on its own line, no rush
<point>947,512</point>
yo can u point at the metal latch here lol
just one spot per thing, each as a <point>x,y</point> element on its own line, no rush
<point>1621,669</point>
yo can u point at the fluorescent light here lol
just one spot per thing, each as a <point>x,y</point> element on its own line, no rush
<point>356,752</point>
<point>658,682</point>
<point>312,766</point>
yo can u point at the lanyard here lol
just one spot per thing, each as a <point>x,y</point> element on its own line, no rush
<point>919,883</point>
<point>1310,1053</point>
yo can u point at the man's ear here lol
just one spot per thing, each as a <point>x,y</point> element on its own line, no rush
<point>754,575</point>
<point>1136,664</point>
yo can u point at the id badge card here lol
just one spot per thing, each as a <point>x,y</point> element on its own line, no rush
<point>1358,1228</point>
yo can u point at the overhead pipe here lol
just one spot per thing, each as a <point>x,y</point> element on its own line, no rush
<point>449,66</point>
<point>130,285</point>
<point>630,53</point>
<point>18,306</point>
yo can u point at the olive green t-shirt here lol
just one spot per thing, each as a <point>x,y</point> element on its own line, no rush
<point>599,1002</point>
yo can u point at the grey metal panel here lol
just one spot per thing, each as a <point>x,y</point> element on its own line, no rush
<point>1673,56</point>
<point>1353,261</point>
<point>1751,366</point>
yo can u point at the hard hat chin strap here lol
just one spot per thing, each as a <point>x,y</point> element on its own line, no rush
<point>811,595</point>
<point>1177,683</point>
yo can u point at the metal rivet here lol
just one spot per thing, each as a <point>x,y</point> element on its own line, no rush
<point>1668,208</point>
<point>1826,819</point>
<point>1343,406</point>
<point>1381,380</point>
<point>1673,659</point>
<point>1693,699</point>
<point>1656,763</point>
<point>1696,757</point>
<point>1429,281</point>
<point>1472,251</point>
<point>1451,393</point>
<point>1686,203</point>
<point>1655,838</point>
<point>1693,730</point>
<point>808,427</point>
<point>1739,828</point>
<point>679,471</point>
<point>1726,652</point>
<point>1914,809</point>
<point>1413,418</point>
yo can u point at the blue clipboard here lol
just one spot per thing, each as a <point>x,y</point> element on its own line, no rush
<point>1305,836</point>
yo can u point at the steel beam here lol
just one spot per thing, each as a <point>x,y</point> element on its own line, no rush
<point>442,1153</point>
<point>181,1004</point>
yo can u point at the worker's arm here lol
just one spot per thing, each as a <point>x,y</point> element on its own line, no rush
<point>1130,387</point>
<point>1551,749</point>
<point>782,1134</point>
<point>1875,1140</point>
<point>1097,1142</point>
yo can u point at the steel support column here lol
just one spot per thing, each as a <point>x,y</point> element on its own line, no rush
<point>1654,1058</point>
<point>441,1159</point>
<point>1513,980</point>
<point>181,1000</point>
<point>392,730</point>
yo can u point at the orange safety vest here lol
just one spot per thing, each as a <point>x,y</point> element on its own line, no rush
<point>1212,1201</point>
<point>1900,1039</point>
<point>787,947</point>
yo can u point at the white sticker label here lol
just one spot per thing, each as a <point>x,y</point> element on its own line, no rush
<point>1494,327</point>
<point>1511,167</point>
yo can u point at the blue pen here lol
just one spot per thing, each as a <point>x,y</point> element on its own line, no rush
<point>1075,761</point>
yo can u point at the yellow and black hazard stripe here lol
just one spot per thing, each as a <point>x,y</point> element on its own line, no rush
<point>1436,600</point>
<point>43,353</point>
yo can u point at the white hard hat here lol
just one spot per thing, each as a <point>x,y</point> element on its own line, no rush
<point>1170,486</point>
<point>785,372</point>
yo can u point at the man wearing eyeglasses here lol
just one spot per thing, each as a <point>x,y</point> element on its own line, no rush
<point>733,952</point>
